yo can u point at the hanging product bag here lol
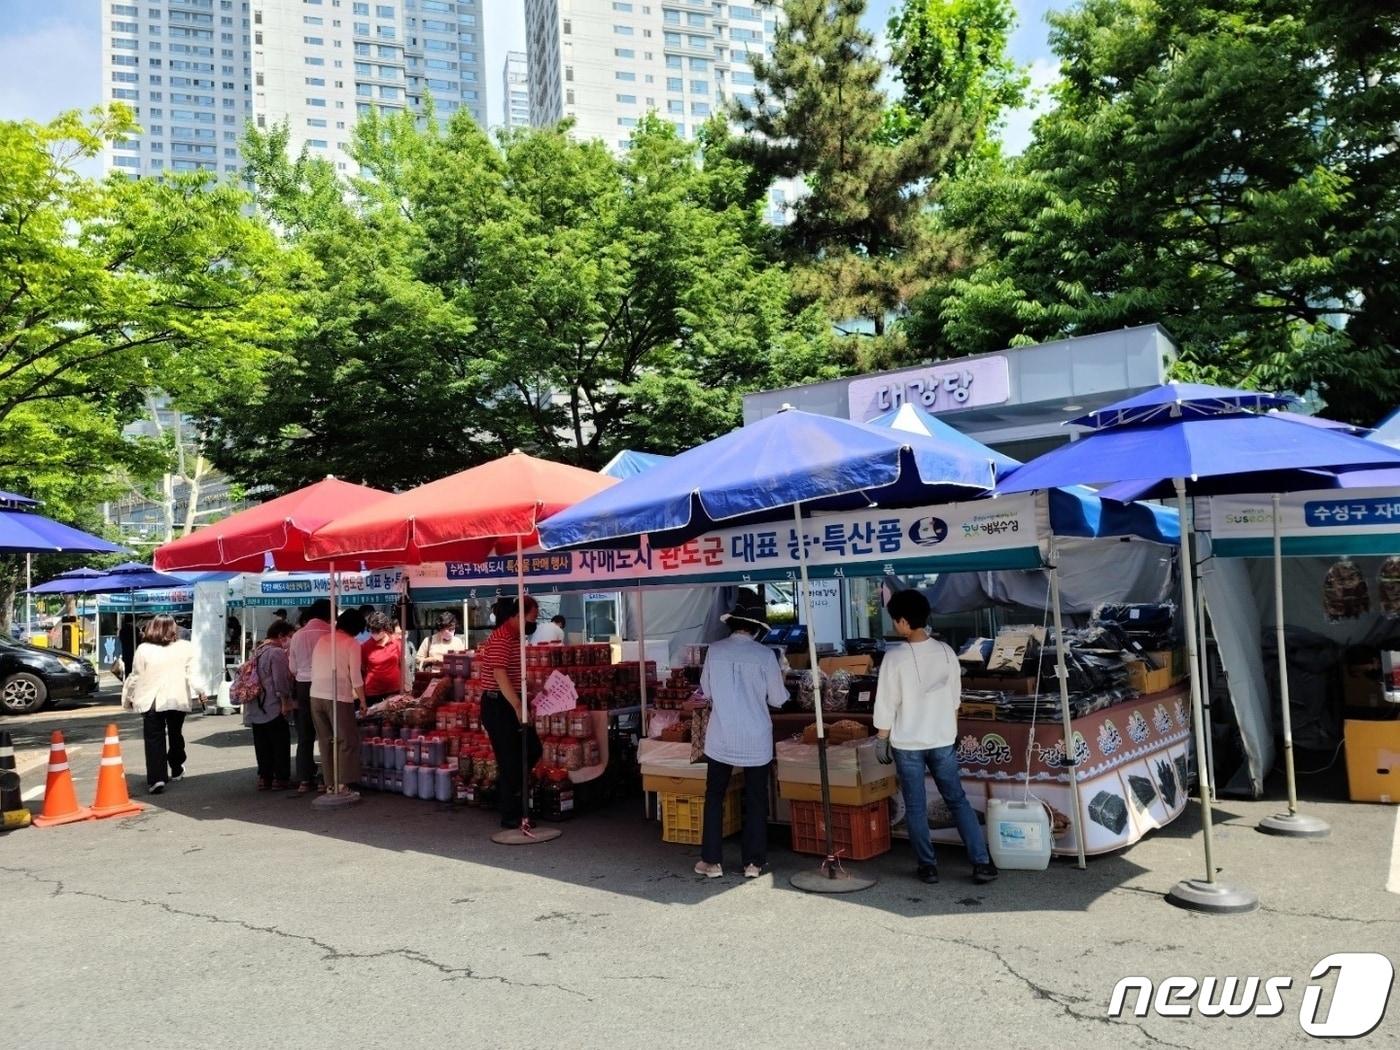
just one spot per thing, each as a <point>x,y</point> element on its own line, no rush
<point>1388,587</point>
<point>1344,592</point>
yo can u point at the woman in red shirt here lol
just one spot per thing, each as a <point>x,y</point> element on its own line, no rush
<point>381,660</point>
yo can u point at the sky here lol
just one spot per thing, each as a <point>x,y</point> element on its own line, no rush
<point>50,55</point>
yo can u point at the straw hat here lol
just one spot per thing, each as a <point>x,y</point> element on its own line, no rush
<point>748,612</point>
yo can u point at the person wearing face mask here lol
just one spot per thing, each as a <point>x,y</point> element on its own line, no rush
<point>502,714</point>
<point>381,659</point>
<point>442,641</point>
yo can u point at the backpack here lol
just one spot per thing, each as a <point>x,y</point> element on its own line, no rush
<point>247,686</point>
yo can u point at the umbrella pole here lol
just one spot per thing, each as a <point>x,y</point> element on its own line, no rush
<point>334,797</point>
<point>1291,823</point>
<point>28,598</point>
<point>642,685</point>
<point>525,835</point>
<point>831,877</point>
<point>1201,894</point>
<point>1062,673</point>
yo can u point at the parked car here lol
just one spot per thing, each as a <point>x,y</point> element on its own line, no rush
<point>31,677</point>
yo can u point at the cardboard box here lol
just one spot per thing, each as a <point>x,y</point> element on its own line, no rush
<point>794,791</point>
<point>799,661</point>
<point>851,764</point>
<point>1373,760</point>
<point>1171,660</point>
<point>853,664</point>
<point>1362,687</point>
<point>986,710</point>
<point>1146,681</point>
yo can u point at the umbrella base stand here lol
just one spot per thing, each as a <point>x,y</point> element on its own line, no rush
<point>525,835</point>
<point>1295,825</point>
<point>1213,897</point>
<point>831,877</point>
<point>338,800</point>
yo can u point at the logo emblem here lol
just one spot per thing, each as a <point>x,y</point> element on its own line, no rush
<point>929,532</point>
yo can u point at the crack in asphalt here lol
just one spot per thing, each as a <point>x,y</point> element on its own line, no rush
<point>329,952</point>
<point>1267,909</point>
<point>1067,1002</point>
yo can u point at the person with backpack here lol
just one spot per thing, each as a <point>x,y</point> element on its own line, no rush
<point>264,690</point>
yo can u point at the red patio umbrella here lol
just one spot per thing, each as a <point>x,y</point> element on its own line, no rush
<point>241,542</point>
<point>466,517</point>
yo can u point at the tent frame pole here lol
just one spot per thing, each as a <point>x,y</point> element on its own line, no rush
<point>333,798</point>
<point>1062,674</point>
<point>1292,823</point>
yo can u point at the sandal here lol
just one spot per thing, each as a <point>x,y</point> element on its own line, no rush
<point>303,789</point>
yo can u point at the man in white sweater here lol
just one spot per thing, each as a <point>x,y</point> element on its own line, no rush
<point>916,719</point>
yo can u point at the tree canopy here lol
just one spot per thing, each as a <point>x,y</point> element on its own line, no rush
<point>1227,168</point>
<point>467,296</point>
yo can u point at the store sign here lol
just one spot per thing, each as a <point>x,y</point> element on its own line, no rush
<point>868,542</point>
<point>1355,512</point>
<point>147,600</point>
<point>935,388</point>
<point>271,590</point>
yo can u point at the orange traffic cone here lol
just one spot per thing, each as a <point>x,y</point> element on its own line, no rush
<point>60,800</point>
<point>112,799</point>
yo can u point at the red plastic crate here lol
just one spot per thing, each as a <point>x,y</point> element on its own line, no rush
<point>857,832</point>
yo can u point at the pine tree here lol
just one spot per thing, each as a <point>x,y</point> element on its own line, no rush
<point>860,240</point>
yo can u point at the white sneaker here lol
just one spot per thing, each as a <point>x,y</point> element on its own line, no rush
<point>157,787</point>
<point>752,871</point>
<point>710,871</point>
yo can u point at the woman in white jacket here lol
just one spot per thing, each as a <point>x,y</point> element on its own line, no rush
<point>159,687</point>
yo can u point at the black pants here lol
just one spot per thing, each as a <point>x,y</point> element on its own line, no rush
<point>306,736</point>
<point>156,727</point>
<point>503,727</point>
<point>272,742</point>
<point>755,834</point>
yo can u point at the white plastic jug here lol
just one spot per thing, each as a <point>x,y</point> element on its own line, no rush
<point>1018,834</point>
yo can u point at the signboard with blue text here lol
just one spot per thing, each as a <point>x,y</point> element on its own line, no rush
<point>1003,533</point>
<point>935,388</point>
<point>292,589</point>
<point>1321,522</point>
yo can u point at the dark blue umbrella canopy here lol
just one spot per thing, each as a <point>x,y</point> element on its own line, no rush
<point>130,576</point>
<point>1180,401</point>
<point>1239,452</point>
<point>758,472</point>
<point>24,532</point>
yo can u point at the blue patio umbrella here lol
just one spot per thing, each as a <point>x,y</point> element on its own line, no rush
<point>1388,432</point>
<point>762,471</point>
<point>1197,446</point>
<point>74,581</point>
<point>628,463</point>
<point>22,531</point>
<point>770,470</point>
<point>1074,511</point>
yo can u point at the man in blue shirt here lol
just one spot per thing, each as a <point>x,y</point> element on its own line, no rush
<point>742,680</point>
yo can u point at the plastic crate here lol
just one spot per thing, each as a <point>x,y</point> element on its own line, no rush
<point>857,832</point>
<point>683,817</point>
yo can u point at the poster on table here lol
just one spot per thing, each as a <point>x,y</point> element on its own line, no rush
<point>1324,522</point>
<point>1003,533</point>
<point>1133,771</point>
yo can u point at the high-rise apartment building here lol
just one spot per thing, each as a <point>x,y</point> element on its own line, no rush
<point>515,91</point>
<point>184,66</point>
<point>607,63</point>
<point>197,70</point>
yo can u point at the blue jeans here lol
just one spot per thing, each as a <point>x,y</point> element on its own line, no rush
<point>942,764</point>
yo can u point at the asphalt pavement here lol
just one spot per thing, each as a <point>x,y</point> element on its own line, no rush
<point>226,917</point>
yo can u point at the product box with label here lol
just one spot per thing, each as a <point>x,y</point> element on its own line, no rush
<point>1373,760</point>
<point>853,771</point>
<point>1147,681</point>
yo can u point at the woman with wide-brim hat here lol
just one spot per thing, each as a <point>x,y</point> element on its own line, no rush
<point>742,680</point>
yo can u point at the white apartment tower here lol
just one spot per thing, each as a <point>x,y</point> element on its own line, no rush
<point>607,63</point>
<point>184,66</point>
<point>515,91</point>
<point>316,64</point>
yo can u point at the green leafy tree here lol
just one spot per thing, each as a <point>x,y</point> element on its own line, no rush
<point>467,297</point>
<point>111,289</point>
<point>861,239</point>
<point>1227,168</point>
<point>953,53</point>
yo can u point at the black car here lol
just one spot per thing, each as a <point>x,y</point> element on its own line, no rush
<point>31,677</point>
